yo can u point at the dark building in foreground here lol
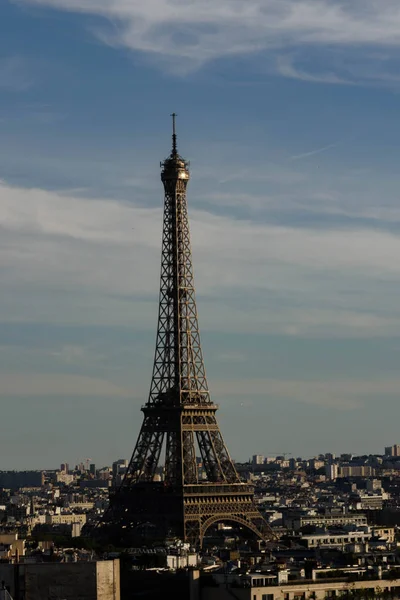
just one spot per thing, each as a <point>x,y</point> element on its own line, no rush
<point>98,580</point>
<point>18,479</point>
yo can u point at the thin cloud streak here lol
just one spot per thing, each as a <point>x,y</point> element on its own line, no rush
<point>314,152</point>
<point>58,384</point>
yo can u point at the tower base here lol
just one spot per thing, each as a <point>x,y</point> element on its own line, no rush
<point>157,511</point>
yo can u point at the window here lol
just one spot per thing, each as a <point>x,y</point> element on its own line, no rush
<point>267,597</point>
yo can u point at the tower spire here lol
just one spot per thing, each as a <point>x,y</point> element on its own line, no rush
<point>174,146</point>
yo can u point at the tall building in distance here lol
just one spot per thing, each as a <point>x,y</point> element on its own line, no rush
<point>179,423</point>
<point>329,457</point>
<point>392,450</point>
<point>119,466</point>
<point>332,471</point>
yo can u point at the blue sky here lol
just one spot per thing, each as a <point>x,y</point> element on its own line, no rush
<point>289,113</point>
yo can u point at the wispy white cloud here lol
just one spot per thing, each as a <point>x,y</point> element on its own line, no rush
<point>231,357</point>
<point>369,69</point>
<point>75,260</point>
<point>285,66</point>
<point>188,34</point>
<point>62,384</point>
<point>73,354</point>
<point>14,75</point>
<point>340,394</point>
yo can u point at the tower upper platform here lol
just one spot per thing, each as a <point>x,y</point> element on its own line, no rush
<point>174,167</point>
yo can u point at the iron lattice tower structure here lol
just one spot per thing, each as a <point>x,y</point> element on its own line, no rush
<point>199,485</point>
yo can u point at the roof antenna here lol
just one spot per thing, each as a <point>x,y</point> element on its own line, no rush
<point>174,147</point>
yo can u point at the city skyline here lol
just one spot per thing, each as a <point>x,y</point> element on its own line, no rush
<point>87,464</point>
<point>288,114</point>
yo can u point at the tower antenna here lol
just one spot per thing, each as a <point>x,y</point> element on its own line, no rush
<point>174,146</point>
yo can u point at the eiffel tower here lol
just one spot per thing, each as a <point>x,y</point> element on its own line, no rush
<point>179,422</point>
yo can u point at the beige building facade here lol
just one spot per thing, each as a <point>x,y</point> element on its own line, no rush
<point>66,519</point>
<point>306,590</point>
<point>13,547</point>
